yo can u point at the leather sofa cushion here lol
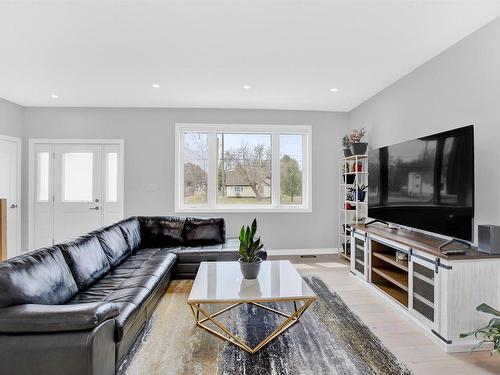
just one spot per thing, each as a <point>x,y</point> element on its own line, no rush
<point>129,285</point>
<point>86,259</point>
<point>39,277</point>
<point>113,243</point>
<point>204,231</point>
<point>131,229</point>
<point>161,231</point>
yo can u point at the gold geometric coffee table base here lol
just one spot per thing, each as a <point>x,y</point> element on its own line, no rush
<point>290,320</point>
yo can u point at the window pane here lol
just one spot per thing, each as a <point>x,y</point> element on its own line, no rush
<point>42,183</point>
<point>195,168</point>
<point>291,168</point>
<point>111,177</point>
<point>244,168</point>
<point>78,176</point>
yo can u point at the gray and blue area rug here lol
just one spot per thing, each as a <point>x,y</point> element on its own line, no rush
<point>329,339</point>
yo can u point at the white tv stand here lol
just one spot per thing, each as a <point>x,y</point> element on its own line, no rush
<point>439,292</point>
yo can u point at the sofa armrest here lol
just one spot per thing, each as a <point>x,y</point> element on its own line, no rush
<point>55,318</point>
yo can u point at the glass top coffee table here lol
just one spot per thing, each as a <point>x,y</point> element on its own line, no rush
<point>221,283</point>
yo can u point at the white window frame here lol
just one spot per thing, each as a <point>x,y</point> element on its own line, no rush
<point>275,131</point>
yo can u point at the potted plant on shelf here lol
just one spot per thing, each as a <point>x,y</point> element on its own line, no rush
<point>489,333</point>
<point>361,192</point>
<point>249,249</point>
<point>346,142</point>
<point>357,147</point>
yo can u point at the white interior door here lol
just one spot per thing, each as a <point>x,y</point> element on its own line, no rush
<point>77,190</point>
<point>10,149</point>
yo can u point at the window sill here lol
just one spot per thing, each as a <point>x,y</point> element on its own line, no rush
<point>237,210</point>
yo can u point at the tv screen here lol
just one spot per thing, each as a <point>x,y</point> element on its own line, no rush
<point>426,183</point>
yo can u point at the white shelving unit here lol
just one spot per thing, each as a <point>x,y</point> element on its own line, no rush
<point>351,211</point>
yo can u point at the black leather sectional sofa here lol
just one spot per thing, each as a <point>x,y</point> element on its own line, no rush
<point>77,307</point>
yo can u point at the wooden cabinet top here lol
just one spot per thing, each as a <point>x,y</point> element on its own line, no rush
<point>423,242</point>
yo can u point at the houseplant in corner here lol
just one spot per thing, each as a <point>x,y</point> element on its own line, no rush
<point>346,142</point>
<point>358,147</point>
<point>489,333</point>
<point>249,249</point>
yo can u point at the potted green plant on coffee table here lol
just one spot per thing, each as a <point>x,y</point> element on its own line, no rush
<point>249,250</point>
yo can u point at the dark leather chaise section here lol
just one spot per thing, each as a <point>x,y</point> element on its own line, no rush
<point>81,305</point>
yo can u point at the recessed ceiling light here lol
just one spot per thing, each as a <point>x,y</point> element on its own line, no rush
<point>247,87</point>
<point>156,85</point>
<point>334,89</point>
<point>54,96</point>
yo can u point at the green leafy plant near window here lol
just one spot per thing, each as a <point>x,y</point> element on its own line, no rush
<point>249,247</point>
<point>488,333</point>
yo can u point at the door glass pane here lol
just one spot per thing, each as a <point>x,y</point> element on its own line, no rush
<point>111,177</point>
<point>42,183</point>
<point>195,168</point>
<point>244,168</point>
<point>78,176</point>
<point>291,169</point>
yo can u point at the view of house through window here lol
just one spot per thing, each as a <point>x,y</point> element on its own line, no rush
<point>248,168</point>
<point>243,168</point>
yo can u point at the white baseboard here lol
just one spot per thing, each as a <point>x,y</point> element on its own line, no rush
<point>285,252</point>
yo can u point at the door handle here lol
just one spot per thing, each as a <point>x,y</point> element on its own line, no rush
<point>94,208</point>
<point>13,206</point>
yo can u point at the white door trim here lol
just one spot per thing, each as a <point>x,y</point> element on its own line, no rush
<point>32,142</point>
<point>19,143</point>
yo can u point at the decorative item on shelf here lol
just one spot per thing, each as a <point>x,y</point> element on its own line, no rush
<point>361,220</point>
<point>348,206</point>
<point>357,167</point>
<point>346,229</point>
<point>249,249</point>
<point>346,142</point>
<point>346,246</point>
<point>489,333</point>
<point>401,257</point>
<point>348,178</point>
<point>357,147</point>
<point>349,197</point>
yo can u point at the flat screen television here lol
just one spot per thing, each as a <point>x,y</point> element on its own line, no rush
<point>426,183</point>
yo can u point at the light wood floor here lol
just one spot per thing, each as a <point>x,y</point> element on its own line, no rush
<point>400,334</point>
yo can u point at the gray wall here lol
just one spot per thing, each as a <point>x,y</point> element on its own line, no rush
<point>11,119</point>
<point>149,159</point>
<point>459,87</point>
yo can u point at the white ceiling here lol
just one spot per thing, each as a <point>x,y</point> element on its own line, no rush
<point>110,53</point>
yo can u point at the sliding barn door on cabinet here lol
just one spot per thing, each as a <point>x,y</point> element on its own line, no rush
<point>77,188</point>
<point>424,291</point>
